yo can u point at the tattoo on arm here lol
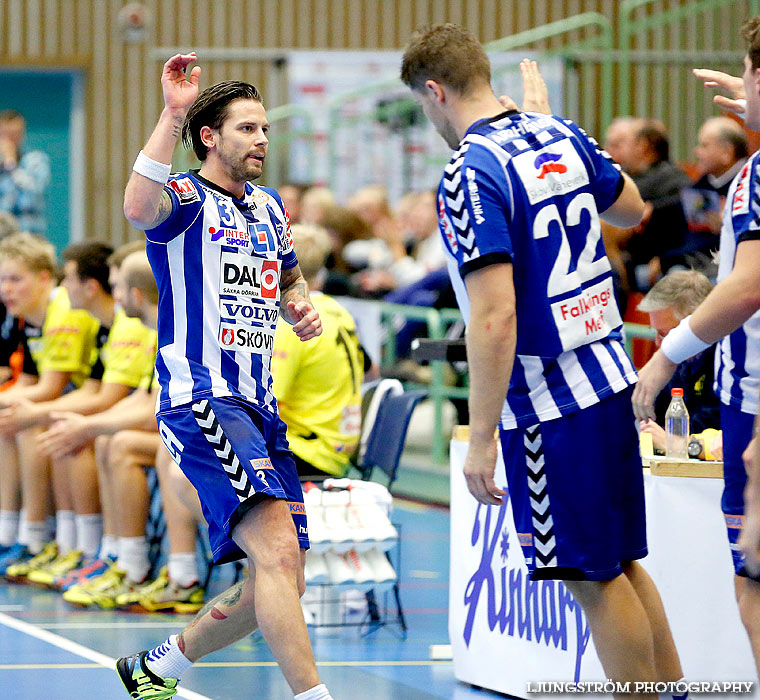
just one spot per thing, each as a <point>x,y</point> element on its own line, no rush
<point>164,209</point>
<point>293,288</point>
<point>177,128</point>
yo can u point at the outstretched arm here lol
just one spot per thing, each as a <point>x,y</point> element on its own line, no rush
<point>295,305</point>
<point>145,203</point>
<point>717,80</point>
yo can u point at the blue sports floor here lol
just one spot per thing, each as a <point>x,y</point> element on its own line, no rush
<point>49,651</point>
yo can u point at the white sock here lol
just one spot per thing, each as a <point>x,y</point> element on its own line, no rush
<point>89,533</point>
<point>109,547</point>
<point>65,531</point>
<point>23,527</point>
<point>9,521</point>
<point>167,660</point>
<point>183,569</point>
<point>318,692</point>
<point>37,534</point>
<point>133,558</point>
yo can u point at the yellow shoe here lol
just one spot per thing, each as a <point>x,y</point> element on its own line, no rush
<point>60,566</point>
<point>101,591</point>
<point>164,595</point>
<point>20,571</point>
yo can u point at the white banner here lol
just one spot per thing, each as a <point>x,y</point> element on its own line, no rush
<point>507,632</point>
<point>381,149</point>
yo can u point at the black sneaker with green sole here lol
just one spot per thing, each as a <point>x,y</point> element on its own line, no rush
<point>141,683</point>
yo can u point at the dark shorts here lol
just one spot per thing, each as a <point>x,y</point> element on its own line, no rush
<point>737,432</point>
<point>577,490</point>
<point>235,454</point>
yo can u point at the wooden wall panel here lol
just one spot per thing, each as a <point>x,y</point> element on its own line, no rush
<point>123,96</point>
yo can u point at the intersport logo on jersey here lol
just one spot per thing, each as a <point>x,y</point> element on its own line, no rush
<point>254,278</point>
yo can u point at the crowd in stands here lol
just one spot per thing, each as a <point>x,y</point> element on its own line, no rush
<point>78,346</point>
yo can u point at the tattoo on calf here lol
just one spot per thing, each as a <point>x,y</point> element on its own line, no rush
<point>217,614</point>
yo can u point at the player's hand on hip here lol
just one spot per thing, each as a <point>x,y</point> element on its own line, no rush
<point>180,90</point>
<point>306,321</point>
<point>718,80</point>
<point>479,467</point>
<point>653,376</point>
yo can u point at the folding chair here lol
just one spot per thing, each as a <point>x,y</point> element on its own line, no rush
<point>384,446</point>
<point>387,436</point>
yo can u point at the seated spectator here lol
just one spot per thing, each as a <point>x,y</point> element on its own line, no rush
<point>620,139</point>
<point>343,226</point>
<point>58,343</point>
<point>670,300</point>
<point>721,152</point>
<point>422,250</point>
<point>657,244</point>
<point>318,385</point>
<point>314,203</point>
<point>291,194</point>
<point>128,442</point>
<point>11,358</point>
<point>24,175</point>
<point>122,355</point>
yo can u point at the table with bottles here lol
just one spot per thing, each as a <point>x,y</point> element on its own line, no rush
<point>507,632</point>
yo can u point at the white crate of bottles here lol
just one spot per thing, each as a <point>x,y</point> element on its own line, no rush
<point>351,537</point>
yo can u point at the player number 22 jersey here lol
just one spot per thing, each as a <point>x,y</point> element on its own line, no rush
<point>527,189</point>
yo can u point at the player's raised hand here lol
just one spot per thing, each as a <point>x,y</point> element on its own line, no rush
<point>717,80</point>
<point>535,94</point>
<point>180,90</point>
<point>306,321</point>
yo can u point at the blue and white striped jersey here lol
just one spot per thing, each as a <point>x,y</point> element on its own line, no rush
<point>217,261</point>
<point>527,188</point>
<point>737,358</point>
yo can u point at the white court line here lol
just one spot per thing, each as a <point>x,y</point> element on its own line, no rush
<point>78,649</point>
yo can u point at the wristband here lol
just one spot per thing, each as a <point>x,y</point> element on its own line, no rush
<point>152,169</point>
<point>682,343</point>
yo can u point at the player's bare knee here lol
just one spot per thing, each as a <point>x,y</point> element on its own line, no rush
<point>749,610</point>
<point>121,448</point>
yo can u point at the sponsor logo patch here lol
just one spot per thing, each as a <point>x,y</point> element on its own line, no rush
<point>243,310</point>
<point>472,188</point>
<point>255,339</point>
<point>740,204</point>
<point>446,226</point>
<point>549,163</point>
<point>551,171</point>
<point>254,278</point>
<point>185,190</point>
<point>262,463</point>
<point>228,236</point>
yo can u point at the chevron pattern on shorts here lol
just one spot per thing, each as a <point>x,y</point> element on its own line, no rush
<point>544,542</point>
<point>210,427</point>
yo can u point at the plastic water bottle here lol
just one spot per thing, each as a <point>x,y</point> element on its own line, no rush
<point>677,426</point>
